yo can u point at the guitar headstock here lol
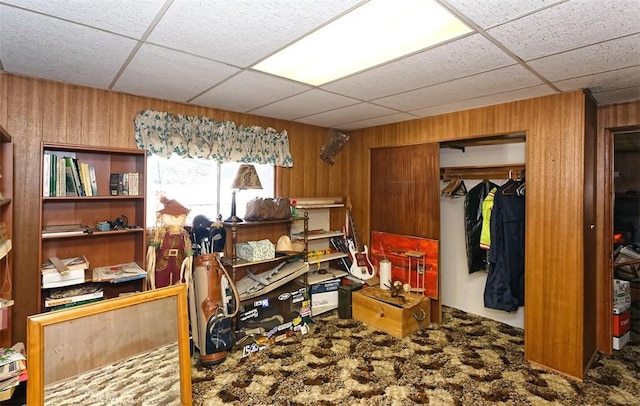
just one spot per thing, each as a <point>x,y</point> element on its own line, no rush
<point>347,203</point>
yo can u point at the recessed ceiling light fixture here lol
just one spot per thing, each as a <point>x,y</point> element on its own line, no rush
<point>376,32</point>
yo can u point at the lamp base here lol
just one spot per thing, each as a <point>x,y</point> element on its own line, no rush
<point>231,219</point>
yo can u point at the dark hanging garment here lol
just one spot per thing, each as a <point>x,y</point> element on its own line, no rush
<point>476,256</point>
<point>504,289</point>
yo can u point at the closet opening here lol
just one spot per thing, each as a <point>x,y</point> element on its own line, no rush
<point>626,237</point>
<point>476,166</point>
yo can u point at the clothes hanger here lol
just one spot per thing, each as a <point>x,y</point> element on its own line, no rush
<point>509,187</point>
<point>451,186</point>
<point>460,190</point>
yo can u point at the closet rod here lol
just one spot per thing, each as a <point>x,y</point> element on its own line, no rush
<point>481,171</point>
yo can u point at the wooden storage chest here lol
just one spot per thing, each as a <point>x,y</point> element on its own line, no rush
<point>375,307</point>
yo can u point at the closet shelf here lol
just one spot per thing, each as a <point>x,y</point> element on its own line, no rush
<point>481,171</point>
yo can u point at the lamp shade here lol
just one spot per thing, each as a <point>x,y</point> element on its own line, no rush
<point>246,178</point>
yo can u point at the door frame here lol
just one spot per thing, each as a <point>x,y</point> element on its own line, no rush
<point>604,271</point>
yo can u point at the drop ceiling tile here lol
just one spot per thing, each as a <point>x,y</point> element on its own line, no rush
<point>618,96</point>
<point>129,18</point>
<point>489,13</point>
<point>372,122</point>
<point>182,76</point>
<point>249,90</point>
<point>241,32</point>
<point>605,56</point>
<point>335,118</point>
<point>463,57</point>
<point>569,25</point>
<point>304,104</point>
<point>484,84</point>
<point>604,81</point>
<point>519,94</point>
<point>35,45</point>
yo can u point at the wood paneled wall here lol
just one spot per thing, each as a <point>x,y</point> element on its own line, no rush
<point>614,117</point>
<point>34,110</point>
<point>554,320</point>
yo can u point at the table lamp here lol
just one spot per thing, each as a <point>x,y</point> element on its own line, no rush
<point>246,178</point>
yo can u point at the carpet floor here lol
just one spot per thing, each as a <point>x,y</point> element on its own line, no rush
<point>466,360</point>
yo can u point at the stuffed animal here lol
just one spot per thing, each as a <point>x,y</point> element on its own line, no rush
<point>170,254</point>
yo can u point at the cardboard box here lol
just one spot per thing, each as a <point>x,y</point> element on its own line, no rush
<point>256,250</point>
<point>619,342</point>
<point>621,293</point>
<point>621,323</point>
<point>275,312</point>
<point>375,307</point>
<point>324,296</point>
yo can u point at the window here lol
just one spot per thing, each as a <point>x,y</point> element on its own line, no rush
<point>204,186</point>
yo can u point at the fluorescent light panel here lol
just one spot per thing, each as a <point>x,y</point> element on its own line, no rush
<point>376,32</point>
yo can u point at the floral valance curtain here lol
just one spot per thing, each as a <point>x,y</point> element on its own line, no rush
<point>163,134</point>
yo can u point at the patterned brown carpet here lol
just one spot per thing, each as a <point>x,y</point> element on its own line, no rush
<point>467,360</point>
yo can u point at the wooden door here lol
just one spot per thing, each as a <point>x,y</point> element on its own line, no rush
<point>405,194</point>
<point>589,224</point>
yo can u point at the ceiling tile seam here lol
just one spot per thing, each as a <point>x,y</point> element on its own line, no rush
<point>472,98</point>
<point>383,116</point>
<point>327,111</point>
<point>395,111</point>
<point>516,18</point>
<point>210,88</point>
<point>585,46</point>
<point>141,41</point>
<point>440,83</point>
<point>357,101</point>
<point>617,89</point>
<point>66,20</point>
<point>597,73</point>
<point>409,55</point>
<point>498,44</point>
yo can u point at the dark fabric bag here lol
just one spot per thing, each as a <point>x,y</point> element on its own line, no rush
<point>260,209</point>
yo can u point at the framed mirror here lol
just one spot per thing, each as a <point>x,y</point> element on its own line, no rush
<point>127,350</point>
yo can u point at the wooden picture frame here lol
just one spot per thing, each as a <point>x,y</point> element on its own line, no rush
<point>81,342</point>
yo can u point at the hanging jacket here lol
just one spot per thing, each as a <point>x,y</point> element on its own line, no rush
<point>476,257</point>
<point>487,207</point>
<point>504,289</point>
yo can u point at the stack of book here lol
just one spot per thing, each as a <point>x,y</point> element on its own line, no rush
<point>64,272</point>
<point>124,184</point>
<point>64,298</point>
<point>66,176</point>
<point>13,370</point>
<point>118,273</point>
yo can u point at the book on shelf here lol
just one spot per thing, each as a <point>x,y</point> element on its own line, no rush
<point>73,296</point>
<point>58,230</point>
<point>13,366</point>
<point>72,164</point>
<point>64,175</point>
<point>118,273</point>
<point>115,184</point>
<point>73,304</point>
<point>73,263</point>
<point>124,184</point>
<point>93,180</point>
<point>64,272</point>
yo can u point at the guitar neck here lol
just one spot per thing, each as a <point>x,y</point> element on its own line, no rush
<point>353,230</point>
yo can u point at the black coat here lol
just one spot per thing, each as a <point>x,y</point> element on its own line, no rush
<point>504,289</point>
<point>476,256</point>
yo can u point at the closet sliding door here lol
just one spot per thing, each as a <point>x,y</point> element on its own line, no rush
<point>405,194</point>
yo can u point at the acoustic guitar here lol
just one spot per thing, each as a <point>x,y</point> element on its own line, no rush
<point>361,266</point>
